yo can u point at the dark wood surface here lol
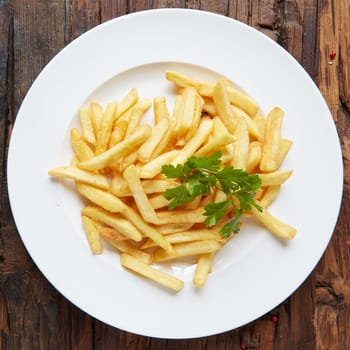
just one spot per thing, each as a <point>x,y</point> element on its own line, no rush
<point>33,315</point>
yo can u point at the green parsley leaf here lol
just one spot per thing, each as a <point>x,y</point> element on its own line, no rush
<point>178,196</point>
<point>215,212</point>
<point>200,176</point>
<point>173,172</point>
<point>231,226</point>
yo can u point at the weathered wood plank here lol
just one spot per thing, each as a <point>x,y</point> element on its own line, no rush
<point>344,54</point>
<point>139,5</point>
<point>239,10</point>
<point>84,15</point>
<point>310,38</point>
<point>329,41</point>
<point>292,29</point>
<point>6,95</point>
<point>168,3</point>
<point>264,16</point>
<point>112,8</point>
<point>332,293</point>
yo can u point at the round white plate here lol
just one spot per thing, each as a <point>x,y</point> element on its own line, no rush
<point>255,272</point>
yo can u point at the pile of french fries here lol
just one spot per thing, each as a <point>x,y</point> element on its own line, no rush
<point>117,168</point>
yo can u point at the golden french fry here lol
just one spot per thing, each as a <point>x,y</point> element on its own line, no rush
<point>260,122</point>
<point>121,189</point>
<point>128,160</point>
<point>272,140</point>
<point>102,198</point>
<point>118,132</point>
<point>110,233</point>
<point>259,194</point>
<point>285,146</point>
<point>275,226</point>
<point>180,216</point>
<point>127,102</point>
<point>76,174</point>
<point>96,112</point>
<point>80,147</point>
<point>215,144</point>
<point>177,107</point>
<point>219,127</point>
<point>136,114</point>
<point>119,185</point>
<point>243,101</point>
<point>128,248</point>
<point>160,109</point>
<point>86,125</point>
<point>269,195</point>
<point>197,113</point>
<point>105,128</point>
<point>241,146</point>
<point>148,230</point>
<point>120,224</point>
<point>125,147</point>
<point>193,204</point>
<point>220,196</point>
<point>253,129</point>
<point>223,106</point>
<point>236,97</point>
<point>133,181</point>
<point>254,155</point>
<point>154,167</point>
<point>188,249</point>
<point>209,107</point>
<point>203,269</point>
<point>92,234</point>
<point>145,152</point>
<point>275,178</point>
<point>167,229</point>
<point>186,236</point>
<point>158,201</point>
<point>180,79</point>
<point>165,142</point>
<point>74,162</point>
<point>151,273</point>
<point>186,111</point>
<point>204,129</point>
<point>227,154</point>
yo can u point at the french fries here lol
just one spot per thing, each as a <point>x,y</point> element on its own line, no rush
<point>279,228</point>
<point>117,169</point>
<point>102,198</point>
<point>105,128</point>
<point>223,106</point>
<point>133,181</point>
<point>86,125</point>
<point>79,145</point>
<point>203,268</point>
<point>70,172</point>
<point>145,270</point>
<point>119,150</point>
<point>272,140</point>
<point>92,234</point>
<point>120,224</point>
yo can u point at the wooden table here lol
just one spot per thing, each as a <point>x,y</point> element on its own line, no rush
<point>33,315</point>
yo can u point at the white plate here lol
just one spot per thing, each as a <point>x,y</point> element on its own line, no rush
<point>255,272</point>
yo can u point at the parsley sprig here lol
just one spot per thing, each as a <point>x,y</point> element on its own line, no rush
<point>202,175</point>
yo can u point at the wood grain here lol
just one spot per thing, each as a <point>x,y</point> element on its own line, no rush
<point>33,315</point>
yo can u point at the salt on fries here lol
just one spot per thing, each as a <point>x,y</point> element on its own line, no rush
<point>117,167</point>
